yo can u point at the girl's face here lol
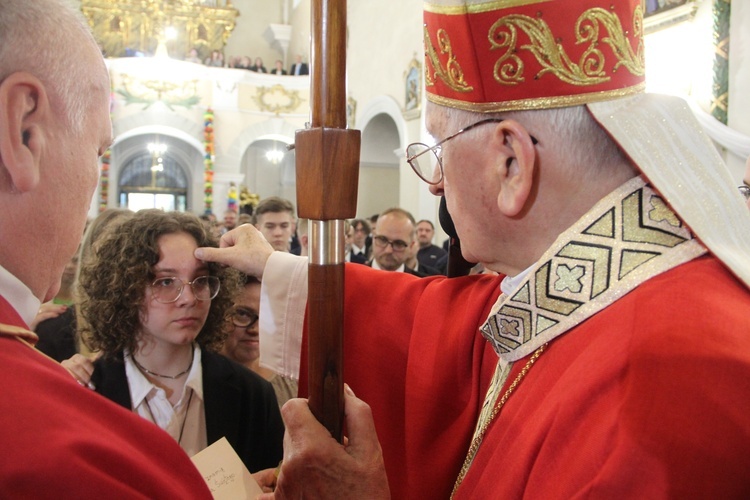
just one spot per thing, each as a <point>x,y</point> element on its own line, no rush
<point>177,323</point>
<point>243,345</point>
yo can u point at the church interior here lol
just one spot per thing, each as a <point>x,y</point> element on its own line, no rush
<point>203,135</point>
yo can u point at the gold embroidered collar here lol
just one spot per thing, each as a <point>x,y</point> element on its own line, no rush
<point>625,239</point>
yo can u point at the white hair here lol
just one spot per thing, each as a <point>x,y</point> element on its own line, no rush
<point>571,130</point>
<point>44,37</point>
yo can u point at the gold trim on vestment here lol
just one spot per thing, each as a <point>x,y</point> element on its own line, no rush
<point>19,332</point>
<point>537,103</point>
<point>627,238</point>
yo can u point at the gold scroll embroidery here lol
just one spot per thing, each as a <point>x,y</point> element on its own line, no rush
<point>452,74</point>
<point>589,70</point>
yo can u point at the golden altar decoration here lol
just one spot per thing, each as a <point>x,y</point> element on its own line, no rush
<point>133,27</point>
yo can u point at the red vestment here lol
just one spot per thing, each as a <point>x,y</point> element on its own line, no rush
<point>62,440</point>
<point>648,398</point>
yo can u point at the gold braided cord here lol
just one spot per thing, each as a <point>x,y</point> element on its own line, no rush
<point>479,436</point>
<point>537,102</point>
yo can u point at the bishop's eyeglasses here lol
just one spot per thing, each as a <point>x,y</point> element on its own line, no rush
<point>429,167</point>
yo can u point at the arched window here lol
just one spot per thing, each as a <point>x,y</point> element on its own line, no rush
<point>153,181</point>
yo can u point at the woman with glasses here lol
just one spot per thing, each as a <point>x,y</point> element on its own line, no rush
<point>243,343</point>
<point>157,315</point>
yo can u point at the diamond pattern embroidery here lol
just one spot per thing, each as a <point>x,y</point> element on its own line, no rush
<point>626,239</point>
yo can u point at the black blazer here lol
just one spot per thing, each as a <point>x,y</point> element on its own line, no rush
<point>57,336</point>
<point>239,404</point>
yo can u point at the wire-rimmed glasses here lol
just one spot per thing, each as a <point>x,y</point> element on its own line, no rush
<point>169,289</point>
<point>429,167</point>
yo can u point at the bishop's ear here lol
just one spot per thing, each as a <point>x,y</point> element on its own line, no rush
<point>518,161</point>
<point>24,112</point>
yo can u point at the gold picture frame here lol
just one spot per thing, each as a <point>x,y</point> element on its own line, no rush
<point>413,89</point>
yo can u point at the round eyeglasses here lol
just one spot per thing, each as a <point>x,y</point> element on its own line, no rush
<point>243,318</point>
<point>429,167</point>
<point>168,290</point>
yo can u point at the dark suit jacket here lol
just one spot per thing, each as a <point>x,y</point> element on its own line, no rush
<point>359,258</point>
<point>407,270</point>
<point>430,257</point>
<point>303,70</point>
<point>239,404</point>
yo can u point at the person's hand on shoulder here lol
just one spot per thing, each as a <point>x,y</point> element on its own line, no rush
<point>317,466</point>
<point>81,368</point>
<point>48,310</point>
<point>243,248</point>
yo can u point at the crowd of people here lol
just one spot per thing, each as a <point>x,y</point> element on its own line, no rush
<point>216,59</point>
<point>604,353</point>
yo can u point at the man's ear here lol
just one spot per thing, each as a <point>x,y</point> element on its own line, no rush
<point>23,110</point>
<point>516,172</point>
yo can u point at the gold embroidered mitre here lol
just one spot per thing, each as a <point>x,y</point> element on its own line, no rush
<point>501,55</point>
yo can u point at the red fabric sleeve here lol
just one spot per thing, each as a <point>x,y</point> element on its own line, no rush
<point>62,440</point>
<point>412,351</point>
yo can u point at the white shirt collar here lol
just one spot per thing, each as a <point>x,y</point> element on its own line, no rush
<point>510,283</point>
<point>376,266</point>
<point>141,387</point>
<point>19,296</point>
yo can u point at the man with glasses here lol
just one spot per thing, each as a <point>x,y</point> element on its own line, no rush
<point>616,360</point>
<point>392,241</point>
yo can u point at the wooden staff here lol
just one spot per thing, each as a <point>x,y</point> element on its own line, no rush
<point>327,163</point>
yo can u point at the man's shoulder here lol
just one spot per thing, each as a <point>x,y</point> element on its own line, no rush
<point>81,420</point>
<point>432,250</point>
<point>679,307</point>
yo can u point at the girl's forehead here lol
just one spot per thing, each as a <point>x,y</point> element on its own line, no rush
<point>176,254</point>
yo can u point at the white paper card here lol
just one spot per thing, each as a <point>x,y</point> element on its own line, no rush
<point>224,473</point>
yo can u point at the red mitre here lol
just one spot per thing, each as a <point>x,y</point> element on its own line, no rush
<point>505,55</point>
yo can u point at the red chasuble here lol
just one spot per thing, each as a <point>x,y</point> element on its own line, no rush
<point>62,440</point>
<point>648,398</point>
